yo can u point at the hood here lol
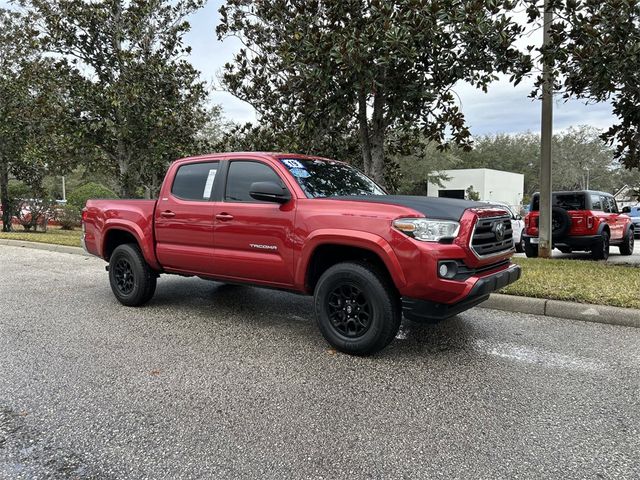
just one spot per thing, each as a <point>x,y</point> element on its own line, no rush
<point>430,207</point>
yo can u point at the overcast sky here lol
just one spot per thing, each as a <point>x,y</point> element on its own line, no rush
<point>503,109</point>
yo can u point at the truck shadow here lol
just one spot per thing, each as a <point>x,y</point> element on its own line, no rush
<point>294,314</point>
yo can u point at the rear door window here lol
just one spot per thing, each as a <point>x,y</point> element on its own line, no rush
<point>194,181</point>
<point>596,203</point>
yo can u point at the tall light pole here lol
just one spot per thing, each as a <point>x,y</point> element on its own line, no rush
<point>546,133</point>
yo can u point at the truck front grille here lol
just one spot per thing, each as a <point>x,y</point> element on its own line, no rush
<point>492,236</point>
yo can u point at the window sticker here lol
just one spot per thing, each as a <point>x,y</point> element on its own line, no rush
<point>292,163</point>
<point>300,172</point>
<point>206,195</point>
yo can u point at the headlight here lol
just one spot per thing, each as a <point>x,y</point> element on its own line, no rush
<point>426,229</point>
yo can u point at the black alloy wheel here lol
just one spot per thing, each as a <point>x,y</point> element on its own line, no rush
<point>357,307</point>
<point>349,311</point>
<point>124,276</point>
<point>132,280</point>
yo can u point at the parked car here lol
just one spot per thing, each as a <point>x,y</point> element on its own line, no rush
<point>517,224</point>
<point>582,221</point>
<point>634,214</point>
<point>312,226</point>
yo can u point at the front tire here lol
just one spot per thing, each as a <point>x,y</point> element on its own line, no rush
<point>626,247</point>
<point>357,308</point>
<point>132,281</point>
<point>601,247</point>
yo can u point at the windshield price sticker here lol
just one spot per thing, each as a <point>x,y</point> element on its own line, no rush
<point>292,163</point>
<point>206,195</point>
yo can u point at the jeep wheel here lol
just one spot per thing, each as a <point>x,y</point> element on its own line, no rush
<point>530,250</point>
<point>357,308</point>
<point>520,245</point>
<point>600,249</point>
<point>132,281</point>
<point>626,247</point>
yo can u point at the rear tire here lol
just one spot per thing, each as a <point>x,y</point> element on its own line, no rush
<point>530,250</point>
<point>132,281</point>
<point>521,244</point>
<point>357,308</point>
<point>626,247</point>
<point>600,249</point>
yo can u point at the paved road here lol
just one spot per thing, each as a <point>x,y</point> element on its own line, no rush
<point>614,255</point>
<point>214,381</point>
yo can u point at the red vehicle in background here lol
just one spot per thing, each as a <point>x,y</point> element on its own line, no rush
<point>582,221</point>
<point>312,226</point>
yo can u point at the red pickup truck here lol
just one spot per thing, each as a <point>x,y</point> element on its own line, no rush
<point>308,225</point>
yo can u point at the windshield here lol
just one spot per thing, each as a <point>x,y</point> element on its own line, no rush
<point>324,178</point>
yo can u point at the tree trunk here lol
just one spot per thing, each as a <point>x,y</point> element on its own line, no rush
<point>377,139</point>
<point>363,120</point>
<point>5,201</point>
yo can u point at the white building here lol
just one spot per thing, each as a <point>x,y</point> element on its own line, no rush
<point>491,185</point>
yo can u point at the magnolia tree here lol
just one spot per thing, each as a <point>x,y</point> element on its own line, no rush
<point>38,124</point>
<point>141,101</point>
<point>328,69</point>
<point>595,54</point>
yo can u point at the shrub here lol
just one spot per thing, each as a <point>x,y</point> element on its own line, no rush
<point>69,217</point>
<point>78,198</point>
<point>32,212</point>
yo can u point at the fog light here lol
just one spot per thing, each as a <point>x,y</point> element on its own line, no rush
<point>444,270</point>
<point>447,269</point>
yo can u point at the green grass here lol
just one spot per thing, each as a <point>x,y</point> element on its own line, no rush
<point>54,235</point>
<point>578,281</point>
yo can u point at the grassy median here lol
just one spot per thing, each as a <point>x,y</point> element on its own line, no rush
<point>53,235</point>
<point>578,281</point>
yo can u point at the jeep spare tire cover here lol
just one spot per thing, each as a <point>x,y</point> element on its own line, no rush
<point>560,222</point>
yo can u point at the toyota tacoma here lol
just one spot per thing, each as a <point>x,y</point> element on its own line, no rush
<point>308,225</point>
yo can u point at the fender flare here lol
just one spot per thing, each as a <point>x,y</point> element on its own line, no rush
<point>137,232</point>
<point>602,226</point>
<point>348,238</point>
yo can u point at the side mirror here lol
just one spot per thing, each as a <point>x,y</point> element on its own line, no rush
<point>269,192</point>
<point>518,217</point>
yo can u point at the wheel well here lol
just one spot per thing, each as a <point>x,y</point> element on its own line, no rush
<point>114,239</point>
<point>325,256</point>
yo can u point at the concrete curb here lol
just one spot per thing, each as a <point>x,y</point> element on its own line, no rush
<point>627,317</point>
<point>43,246</point>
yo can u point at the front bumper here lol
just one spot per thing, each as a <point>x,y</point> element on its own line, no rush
<point>424,310</point>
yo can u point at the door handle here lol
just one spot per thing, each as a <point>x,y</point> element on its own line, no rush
<point>224,217</point>
<point>167,214</point>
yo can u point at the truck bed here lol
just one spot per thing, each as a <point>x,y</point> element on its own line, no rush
<point>135,216</point>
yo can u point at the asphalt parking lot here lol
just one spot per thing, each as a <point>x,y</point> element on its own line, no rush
<point>217,381</point>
